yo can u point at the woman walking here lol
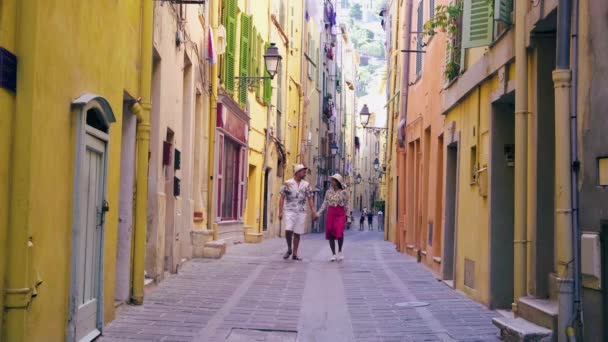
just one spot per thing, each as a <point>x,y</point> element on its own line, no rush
<point>336,203</point>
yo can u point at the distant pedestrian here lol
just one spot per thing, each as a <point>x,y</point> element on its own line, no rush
<point>361,221</point>
<point>349,220</point>
<point>380,220</point>
<point>336,203</point>
<point>294,195</point>
<point>370,219</point>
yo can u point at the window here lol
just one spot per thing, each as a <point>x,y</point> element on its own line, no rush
<point>454,56</point>
<point>419,29</point>
<point>244,55</point>
<point>230,11</point>
<point>231,161</point>
<point>478,23</point>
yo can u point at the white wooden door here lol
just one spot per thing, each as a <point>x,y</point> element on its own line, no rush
<point>89,253</point>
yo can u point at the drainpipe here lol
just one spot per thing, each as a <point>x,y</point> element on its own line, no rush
<point>521,155</point>
<point>18,288</point>
<point>563,192</point>
<point>142,113</point>
<point>407,24</point>
<point>576,320</point>
<point>212,124</point>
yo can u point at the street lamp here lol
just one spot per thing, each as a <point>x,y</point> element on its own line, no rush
<point>334,148</point>
<point>376,164</point>
<point>272,60</point>
<point>365,114</point>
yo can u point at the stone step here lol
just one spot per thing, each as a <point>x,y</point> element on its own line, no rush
<point>520,330</point>
<point>541,312</point>
<point>214,249</point>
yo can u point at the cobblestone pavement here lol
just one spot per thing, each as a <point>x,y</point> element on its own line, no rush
<point>252,294</point>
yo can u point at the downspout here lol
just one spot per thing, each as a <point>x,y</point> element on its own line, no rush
<point>407,23</point>
<point>563,186</point>
<point>17,287</point>
<point>520,242</point>
<point>212,124</point>
<point>142,113</point>
<point>576,319</point>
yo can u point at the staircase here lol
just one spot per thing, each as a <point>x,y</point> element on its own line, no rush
<point>536,321</point>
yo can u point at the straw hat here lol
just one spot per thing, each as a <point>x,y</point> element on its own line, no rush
<point>338,177</point>
<point>299,167</point>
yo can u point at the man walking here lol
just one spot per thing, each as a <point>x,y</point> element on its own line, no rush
<point>295,193</point>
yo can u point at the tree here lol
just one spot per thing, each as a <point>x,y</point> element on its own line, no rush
<point>375,49</point>
<point>356,12</point>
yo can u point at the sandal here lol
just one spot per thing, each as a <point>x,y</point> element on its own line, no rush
<point>295,257</point>
<point>287,254</point>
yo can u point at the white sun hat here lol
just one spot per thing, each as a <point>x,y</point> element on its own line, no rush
<point>299,167</point>
<point>338,177</point>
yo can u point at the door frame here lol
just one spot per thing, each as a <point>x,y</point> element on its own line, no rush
<point>450,247</point>
<point>80,107</point>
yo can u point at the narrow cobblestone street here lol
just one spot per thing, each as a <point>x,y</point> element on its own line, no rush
<point>252,294</point>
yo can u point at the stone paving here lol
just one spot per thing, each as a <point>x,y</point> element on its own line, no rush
<point>252,294</point>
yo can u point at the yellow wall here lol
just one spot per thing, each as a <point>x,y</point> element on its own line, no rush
<point>63,54</point>
<point>472,115</point>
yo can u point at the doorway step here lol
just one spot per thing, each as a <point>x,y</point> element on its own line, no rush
<point>536,321</point>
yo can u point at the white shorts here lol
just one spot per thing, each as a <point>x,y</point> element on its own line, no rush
<point>295,222</point>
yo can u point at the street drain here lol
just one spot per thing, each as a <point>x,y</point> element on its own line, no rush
<point>411,304</point>
<point>267,335</point>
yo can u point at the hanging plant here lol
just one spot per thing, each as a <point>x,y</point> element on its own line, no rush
<point>445,20</point>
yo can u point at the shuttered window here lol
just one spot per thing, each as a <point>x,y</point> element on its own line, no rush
<point>478,27</point>
<point>503,10</point>
<point>419,28</point>
<point>259,71</point>
<point>230,62</point>
<point>267,82</point>
<point>431,9</point>
<point>244,56</point>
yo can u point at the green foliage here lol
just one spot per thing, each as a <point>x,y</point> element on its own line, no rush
<point>374,49</point>
<point>445,20</point>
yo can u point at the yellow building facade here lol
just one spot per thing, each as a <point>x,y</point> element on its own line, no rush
<point>61,130</point>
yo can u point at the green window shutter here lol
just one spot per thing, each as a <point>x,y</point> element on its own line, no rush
<point>258,68</point>
<point>229,71</point>
<point>267,82</point>
<point>503,10</point>
<point>244,55</point>
<point>478,23</point>
<point>253,45</point>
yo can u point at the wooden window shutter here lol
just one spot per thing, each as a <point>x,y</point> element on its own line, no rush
<point>267,82</point>
<point>420,23</point>
<point>229,71</point>
<point>253,57</point>
<point>244,55</point>
<point>431,9</point>
<point>258,68</point>
<point>503,10</point>
<point>478,23</point>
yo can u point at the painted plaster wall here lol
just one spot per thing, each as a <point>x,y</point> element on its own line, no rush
<point>174,109</point>
<point>257,133</point>
<point>471,118</point>
<point>425,125</point>
<point>51,74</point>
